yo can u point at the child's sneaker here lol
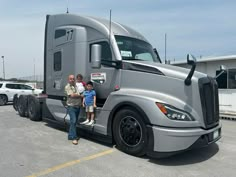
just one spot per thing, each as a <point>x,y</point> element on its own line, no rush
<point>85,122</point>
<point>90,123</point>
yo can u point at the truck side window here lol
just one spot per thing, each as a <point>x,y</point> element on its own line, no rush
<point>57,61</point>
<point>221,80</point>
<point>232,78</point>
<point>227,80</point>
<point>59,33</point>
<point>106,51</point>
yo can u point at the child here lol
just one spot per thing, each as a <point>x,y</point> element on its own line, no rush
<point>89,102</point>
<point>80,83</point>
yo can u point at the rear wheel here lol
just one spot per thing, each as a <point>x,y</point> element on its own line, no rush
<point>15,100</point>
<point>3,100</point>
<point>130,132</point>
<point>34,108</point>
<point>22,104</point>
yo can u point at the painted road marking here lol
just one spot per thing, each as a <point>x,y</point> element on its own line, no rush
<point>67,164</point>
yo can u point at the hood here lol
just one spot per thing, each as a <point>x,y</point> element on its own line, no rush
<point>161,69</point>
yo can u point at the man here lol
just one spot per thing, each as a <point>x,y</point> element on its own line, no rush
<point>73,103</point>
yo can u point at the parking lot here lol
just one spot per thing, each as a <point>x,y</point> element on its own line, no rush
<point>32,149</point>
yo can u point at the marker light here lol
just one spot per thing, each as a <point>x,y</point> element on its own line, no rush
<point>162,108</point>
<point>117,87</point>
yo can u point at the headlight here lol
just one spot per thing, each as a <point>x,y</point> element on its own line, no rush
<point>174,113</point>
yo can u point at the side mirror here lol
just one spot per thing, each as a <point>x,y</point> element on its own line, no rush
<point>191,60</point>
<point>222,70</point>
<point>157,54</point>
<point>96,53</point>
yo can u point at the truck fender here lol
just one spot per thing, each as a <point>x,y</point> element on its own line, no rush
<point>125,105</point>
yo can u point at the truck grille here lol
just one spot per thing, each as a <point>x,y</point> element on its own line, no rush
<point>210,101</point>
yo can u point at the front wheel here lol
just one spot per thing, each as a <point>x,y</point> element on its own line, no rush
<point>130,132</point>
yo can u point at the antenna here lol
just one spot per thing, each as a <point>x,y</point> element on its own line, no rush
<point>165,47</point>
<point>110,29</point>
<point>67,7</point>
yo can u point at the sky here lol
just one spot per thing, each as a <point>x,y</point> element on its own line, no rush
<point>201,27</point>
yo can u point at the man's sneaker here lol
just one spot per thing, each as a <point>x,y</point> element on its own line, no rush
<point>85,122</point>
<point>90,123</point>
<point>75,142</point>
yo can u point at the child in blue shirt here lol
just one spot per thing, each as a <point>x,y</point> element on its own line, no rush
<point>89,102</point>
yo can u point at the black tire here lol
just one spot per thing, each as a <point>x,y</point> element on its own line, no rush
<point>3,100</point>
<point>130,132</point>
<point>15,100</point>
<point>22,105</point>
<point>34,110</point>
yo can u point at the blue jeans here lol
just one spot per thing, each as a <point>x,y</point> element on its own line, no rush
<point>74,114</point>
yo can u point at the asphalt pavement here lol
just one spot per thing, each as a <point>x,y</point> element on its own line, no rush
<point>33,149</point>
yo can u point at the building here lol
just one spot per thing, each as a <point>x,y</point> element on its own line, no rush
<point>226,81</point>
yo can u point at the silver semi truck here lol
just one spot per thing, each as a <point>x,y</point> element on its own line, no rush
<point>144,106</point>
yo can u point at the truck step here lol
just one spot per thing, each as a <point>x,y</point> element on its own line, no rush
<point>87,127</point>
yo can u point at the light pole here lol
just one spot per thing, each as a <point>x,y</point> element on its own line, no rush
<point>34,71</point>
<point>3,67</point>
<point>165,48</point>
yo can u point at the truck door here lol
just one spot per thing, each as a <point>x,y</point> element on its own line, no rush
<point>61,60</point>
<point>65,58</point>
<point>106,76</point>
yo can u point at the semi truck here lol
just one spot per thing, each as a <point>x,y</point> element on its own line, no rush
<point>143,106</point>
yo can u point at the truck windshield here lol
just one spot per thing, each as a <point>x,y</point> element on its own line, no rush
<point>135,49</point>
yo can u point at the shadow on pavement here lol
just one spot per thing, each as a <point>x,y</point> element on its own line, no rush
<point>185,158</point>
<point>56,126</point>
<point>7,104</point>
<point>90,136</point>
<point>188,157</point>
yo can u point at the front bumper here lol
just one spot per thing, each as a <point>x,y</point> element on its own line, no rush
<point>168,141</point>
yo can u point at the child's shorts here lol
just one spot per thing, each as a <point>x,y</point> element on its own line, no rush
<point>89,109</point>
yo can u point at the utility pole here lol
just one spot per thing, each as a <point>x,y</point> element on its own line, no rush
<point>34,71</point>
<point>35,83</point>
<point>3,66</point>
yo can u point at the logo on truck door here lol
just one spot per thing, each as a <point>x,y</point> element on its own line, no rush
<point>57,84</point>
<point>99,78</point>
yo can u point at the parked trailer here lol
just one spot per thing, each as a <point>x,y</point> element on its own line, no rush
<point>144,106</point>
<point>227,99</point>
